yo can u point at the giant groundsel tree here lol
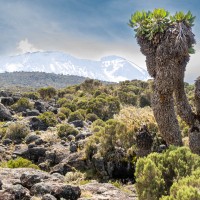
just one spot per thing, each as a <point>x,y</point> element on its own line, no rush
<point>167,41</point>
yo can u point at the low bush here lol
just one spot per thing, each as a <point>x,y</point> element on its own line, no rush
<point>156,173</point>
<point>65,130</point>
<point>65,111</point>
<point>31,95</point>
<point>22,104</point>
<point>75,116</point>
<point>49,118</point>
<point>91,117</point>
<point>61,116</point>
<point>18,163</point>
<point>17,131</point>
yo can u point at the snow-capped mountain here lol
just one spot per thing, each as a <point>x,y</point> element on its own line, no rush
<point>111,68</point>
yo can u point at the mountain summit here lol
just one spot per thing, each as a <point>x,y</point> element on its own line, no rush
<point>111,68</point>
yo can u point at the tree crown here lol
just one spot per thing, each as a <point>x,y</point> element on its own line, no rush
<point>148,24</point>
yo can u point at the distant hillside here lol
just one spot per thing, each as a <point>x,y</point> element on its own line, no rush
<point>110,68</point>
<point>37,80</point>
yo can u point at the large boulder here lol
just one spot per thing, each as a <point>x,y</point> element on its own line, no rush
<point>59,190</point>
<point>5,114</point>
<point>37,124</point>
<point>40,106</point>
<point>7,101</point>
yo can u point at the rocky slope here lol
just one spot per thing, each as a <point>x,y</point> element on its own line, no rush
<point>57,158</point>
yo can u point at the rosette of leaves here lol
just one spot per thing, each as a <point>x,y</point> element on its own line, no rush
<point>152,25</point>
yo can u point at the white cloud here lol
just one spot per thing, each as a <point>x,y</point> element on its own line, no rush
<point>25,46</point>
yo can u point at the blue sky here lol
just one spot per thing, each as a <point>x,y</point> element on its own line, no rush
<point>83,28</point>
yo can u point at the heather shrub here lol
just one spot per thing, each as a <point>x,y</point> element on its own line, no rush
<point>62,101</point>
<point>64,130</point>
<point>17,131</point>
<point>187,188</point>
<point>18,163</point>
<point>22,104</point>
<point>31,95</point>
<point>91,117</point>
<point>49,118</point>
<point>156,173</point>
<point>47,93</point>
<point>75,116</point>
<point>61,116</point>
<point>65,111</point>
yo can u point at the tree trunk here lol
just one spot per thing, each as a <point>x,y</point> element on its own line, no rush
<point>183,107</point>
<point>163,108</point>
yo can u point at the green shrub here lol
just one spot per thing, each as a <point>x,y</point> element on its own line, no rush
<point>70,106</point>
<point>65,130</point>
<point>156,173</point>
<point>31,95</point>
<point>18,163</point>
<point>17,131</point>
<point>104,106</point>
<point>187,188</point>
<point>75,116</point>
<point>61,116</point>
<point>82,104</point>
<point>22,104</point>
<point>62,101</point>
<point>49,118</point>
<point>65,111</point>
<point>91,117</point>
<point>47,93</point>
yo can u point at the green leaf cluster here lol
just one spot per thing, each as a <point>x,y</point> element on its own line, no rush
<point>148,24</point>
<point>188,18</point>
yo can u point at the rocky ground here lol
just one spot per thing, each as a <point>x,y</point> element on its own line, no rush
<point>55,158</point>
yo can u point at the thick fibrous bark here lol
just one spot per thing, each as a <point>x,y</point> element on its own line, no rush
<point>183,108</point>
<point>149,51</point>
<point>194,135</point>
<point>197,96</point>
<point>163,105</point>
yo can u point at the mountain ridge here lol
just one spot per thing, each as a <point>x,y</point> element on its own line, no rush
<point>110,68</point>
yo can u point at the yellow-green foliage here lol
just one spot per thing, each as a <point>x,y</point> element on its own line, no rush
<point>156,173</point>
<point>62,101</point>
<point>18,163</point>
<point>65,111</point>
<point>49,118</point>
<point>65,129</point>
<point>148,24</point>
<point>75,116</point>
<point>31,95</point>
<point>120,131</point>
<point>61,116</point>
<point>187,188</point>
<point>134,117</point>
<point>17,131</point>
<point>22,104</point>
<point>91,117</point>
<point>47,93</point>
